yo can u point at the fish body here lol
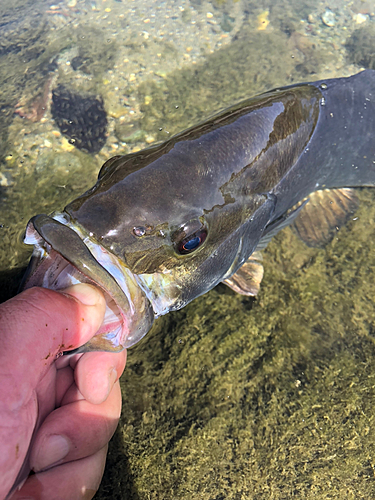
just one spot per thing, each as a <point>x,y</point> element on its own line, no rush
<point>165,225</point>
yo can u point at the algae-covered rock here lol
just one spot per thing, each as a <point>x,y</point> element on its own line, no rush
<point>360,46</point>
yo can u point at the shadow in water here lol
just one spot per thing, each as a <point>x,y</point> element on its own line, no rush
<point>9,282</point>
<point>117,482</point>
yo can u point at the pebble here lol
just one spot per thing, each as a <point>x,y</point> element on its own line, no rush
<point>4,182</point>
<point>360,18</point>
<point>328,18</point>
<point>66,145</point>
<point>150,139</point>
<point>311,19</point>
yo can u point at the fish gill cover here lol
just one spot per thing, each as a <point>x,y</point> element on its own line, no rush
<point>82,119</point>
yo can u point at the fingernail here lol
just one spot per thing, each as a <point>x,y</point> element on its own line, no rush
<point>53,449</point>
<point>87,294</point>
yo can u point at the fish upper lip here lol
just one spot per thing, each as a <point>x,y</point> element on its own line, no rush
<point>91,262</point>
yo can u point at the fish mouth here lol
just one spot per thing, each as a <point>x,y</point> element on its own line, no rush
<point>64,255</point>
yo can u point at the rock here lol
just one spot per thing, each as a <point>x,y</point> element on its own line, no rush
<point>328,18</point>
<point>81,118</point>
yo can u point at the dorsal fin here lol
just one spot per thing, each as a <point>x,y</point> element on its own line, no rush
<point>326,211</point>
<point>246,280</point>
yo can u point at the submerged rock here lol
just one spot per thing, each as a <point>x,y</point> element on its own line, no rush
<point>82,119</point>
<point>360,46</point>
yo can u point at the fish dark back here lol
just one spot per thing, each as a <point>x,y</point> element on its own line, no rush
<point>341,151</point>
<point>217,170</point>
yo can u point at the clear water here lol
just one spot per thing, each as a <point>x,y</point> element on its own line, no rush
<point>229,398</point>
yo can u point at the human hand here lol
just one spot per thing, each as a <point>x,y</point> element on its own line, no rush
<point>65,410</point>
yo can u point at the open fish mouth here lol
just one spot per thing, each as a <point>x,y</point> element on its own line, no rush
<point>63,256</point>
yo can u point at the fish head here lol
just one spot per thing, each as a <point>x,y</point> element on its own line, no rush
<point>165,225</point>
<point>177,235</point>
<point>149,248</point>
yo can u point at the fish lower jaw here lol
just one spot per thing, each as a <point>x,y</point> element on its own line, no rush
<point>52,271</point>
<point>65,255</point>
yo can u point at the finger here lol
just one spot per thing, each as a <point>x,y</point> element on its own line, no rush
<point>64,380</point>
<point>74,480</point>
<point>94,311</point>
<point>70,359</point>
<point>94,375</point>
<point>75,431</point>
<point>47,321</point>
<point>96,372</point>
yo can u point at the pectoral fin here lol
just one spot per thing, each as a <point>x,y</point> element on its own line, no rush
<point>246,280</point>
<point>326,211</point>
<point>316,220</point>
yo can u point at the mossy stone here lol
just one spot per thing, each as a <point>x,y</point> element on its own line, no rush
<point>360,46</point>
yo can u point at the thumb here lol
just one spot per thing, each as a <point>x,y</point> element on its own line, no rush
<point>38,323</point>
<point>92,313</point>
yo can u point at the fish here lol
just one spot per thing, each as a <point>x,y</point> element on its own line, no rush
<point>165,225</point>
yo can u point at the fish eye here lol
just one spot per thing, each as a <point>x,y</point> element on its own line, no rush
<point>191,243</point>
<point>139,231</point>
<point>190,237</point>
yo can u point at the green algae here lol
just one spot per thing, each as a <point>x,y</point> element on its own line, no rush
<point>96,52</point>
<point>235,398</point>
<point>55,179</point>
<point>189,95</point>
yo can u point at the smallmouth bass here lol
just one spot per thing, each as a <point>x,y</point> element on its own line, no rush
<point>165,225</point>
